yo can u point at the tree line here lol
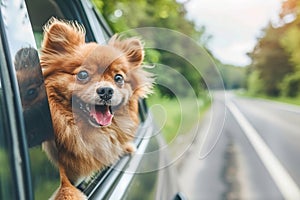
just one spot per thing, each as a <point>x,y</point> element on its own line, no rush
<point>123,15</point>
<point>275,67</point>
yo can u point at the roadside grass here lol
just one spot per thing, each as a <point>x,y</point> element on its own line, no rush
<point>177,116</point>
<point>282,99</point>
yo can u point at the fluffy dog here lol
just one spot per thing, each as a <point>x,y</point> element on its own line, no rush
<point>93,92</point>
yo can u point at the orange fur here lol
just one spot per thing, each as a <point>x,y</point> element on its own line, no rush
<point>80,147</point>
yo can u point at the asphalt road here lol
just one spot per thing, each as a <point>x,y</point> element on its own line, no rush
<point>245,149</point>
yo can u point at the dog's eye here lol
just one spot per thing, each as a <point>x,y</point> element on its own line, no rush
<point>119,79</point>
<point>83,76</point>
<point>31,94</point>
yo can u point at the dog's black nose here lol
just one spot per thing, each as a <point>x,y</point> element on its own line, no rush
<point>105,93</point>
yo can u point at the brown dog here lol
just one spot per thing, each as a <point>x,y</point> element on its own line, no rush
<point>93,92</point>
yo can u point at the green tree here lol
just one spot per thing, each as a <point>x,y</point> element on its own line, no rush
<point>123,15</point>
<point>290,85</point>
<point>270,60</point>
<point>255,83</point>
<point>234,77</point>
<point>291,43</point>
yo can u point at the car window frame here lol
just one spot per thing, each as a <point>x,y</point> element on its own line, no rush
<point>13,112</point>
<point>4,122</point>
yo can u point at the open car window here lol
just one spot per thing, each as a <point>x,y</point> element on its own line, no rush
<point>41,11</point>
<point>7,189</point>
<point>30,97</point>
<point>96,30</point>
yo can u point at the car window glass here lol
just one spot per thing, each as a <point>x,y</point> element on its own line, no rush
<point>39,13</point>
<point>38,123</point>
<point>6,187</point>
<point>28,72</point>
<point>6,184</point>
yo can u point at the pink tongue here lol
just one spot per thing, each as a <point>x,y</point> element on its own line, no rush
<point>102,118</point>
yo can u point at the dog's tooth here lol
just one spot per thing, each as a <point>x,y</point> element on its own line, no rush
<point>87,106</point>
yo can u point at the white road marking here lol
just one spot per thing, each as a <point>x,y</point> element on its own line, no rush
<point>285,183</point>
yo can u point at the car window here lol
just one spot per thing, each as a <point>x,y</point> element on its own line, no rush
<point>23,55</point>
<point>96,31</point>
<point>41,11</point>
<point>6,179</point>
<point>6,186</point>
<point>37,120</point>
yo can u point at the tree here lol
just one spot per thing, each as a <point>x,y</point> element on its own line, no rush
<point>234,77</point>
<point>123,15</point>
<point>276,58</point>
<point>271,60</point>
<point>291,44</point>
<point>290,85</point>
<point>255,83</point>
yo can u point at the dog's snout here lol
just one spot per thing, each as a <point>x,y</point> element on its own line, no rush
<point>105,93</point>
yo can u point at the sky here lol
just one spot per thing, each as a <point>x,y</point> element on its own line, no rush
<point>234,25</point>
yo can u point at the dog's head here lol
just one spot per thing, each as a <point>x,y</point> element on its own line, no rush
<point>96,82</point>
<point>30,79</point>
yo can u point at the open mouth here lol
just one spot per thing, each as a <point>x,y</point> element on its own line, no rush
<point>99,115</point>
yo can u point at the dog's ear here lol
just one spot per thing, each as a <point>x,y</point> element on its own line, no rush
<point>62,37</point>
<point>132,47</point>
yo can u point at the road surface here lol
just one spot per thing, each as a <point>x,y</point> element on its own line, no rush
<point>251,151</point>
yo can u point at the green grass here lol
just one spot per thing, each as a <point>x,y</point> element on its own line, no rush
<point>289,100</point>
<point>295,101</point>
<point>177,116</point>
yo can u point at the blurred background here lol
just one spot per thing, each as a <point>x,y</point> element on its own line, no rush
<point>233,131</point>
